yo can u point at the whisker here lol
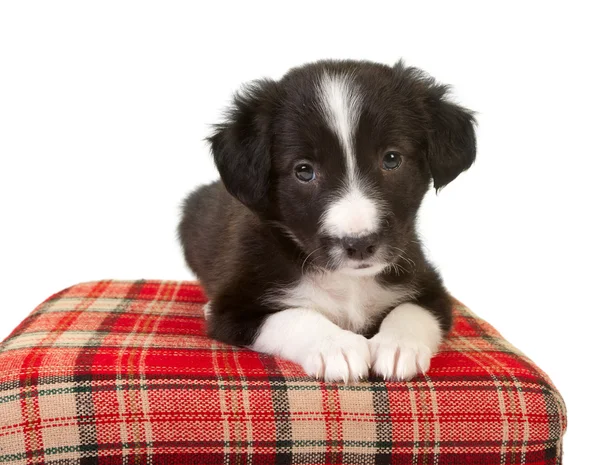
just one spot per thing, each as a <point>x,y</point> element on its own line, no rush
<point>408,260</point>
<point>396,267</point>
<point>402,255</point>
<point>307,257</point>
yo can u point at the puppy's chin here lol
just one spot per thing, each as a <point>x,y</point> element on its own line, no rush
<point>363,270</point>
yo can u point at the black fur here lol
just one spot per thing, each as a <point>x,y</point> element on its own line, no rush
<point>236,233</point>
<point>241,147</point>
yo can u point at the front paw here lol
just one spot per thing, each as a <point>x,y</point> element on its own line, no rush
<point>395,358</point>
<point>341,357</point>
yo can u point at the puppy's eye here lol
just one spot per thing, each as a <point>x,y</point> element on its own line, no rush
<point>304,172</point>
<point>391,161</point>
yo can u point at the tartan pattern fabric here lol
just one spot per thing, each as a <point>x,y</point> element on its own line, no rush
<point>122,372</point>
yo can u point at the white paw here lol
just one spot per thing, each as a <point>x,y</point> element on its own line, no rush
<point>207,310</point>
<point>341,357</point>
<point>396,358</point>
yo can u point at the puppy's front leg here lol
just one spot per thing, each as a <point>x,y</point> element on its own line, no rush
<point>322,348</point>
<point>407,338</point>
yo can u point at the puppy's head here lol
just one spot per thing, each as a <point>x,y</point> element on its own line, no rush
<point>340,155</point>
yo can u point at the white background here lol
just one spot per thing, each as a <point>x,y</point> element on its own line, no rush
<point>104,107</point>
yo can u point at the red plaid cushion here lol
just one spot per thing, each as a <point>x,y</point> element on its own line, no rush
<point>122,372</point>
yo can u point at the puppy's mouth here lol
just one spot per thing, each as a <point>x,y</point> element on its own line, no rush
<point>363,269</point>
<point>353,266</point>
<point>364,266</point>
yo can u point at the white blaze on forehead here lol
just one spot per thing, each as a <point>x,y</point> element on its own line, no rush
<point>341,102</point>
<point>353,213</point>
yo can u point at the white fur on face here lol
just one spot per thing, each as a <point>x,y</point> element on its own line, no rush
<point>406,341</point>
<point>353,212</point>
<point>341,102</point>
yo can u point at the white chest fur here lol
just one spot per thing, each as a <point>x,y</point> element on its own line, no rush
<point>350,302</point>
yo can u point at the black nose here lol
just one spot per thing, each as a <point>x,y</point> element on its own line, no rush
<point>360,248</point>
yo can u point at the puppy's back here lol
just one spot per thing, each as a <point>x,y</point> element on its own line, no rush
<point>208,231</point>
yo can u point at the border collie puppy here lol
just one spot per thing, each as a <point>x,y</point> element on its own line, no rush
<point>307,247</point>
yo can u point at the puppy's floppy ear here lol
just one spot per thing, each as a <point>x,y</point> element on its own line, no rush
<point>451,143</point>
<point>241,145</point>
<point>451,139</point>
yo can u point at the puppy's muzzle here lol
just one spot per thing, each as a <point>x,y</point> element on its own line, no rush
<point>360,248</point>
